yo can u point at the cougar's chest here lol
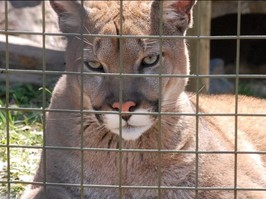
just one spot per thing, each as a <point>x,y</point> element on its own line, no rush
<point>106,170</point>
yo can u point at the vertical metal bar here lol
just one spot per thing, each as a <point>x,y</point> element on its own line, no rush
<point>81,105</point>
<point>7,102</point>
<point>43,57</point>
<point>160,103</point>
<point>236,93</point>
<point>197,102</point>
<point>121,71</point>
<point>43,93</point>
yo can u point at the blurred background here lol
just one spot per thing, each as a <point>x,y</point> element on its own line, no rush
<point>218,55</point>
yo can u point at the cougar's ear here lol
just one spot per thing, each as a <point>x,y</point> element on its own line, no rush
<point>70,13</point>
<point>176,13</point>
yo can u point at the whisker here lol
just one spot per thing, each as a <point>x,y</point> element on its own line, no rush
<point>84,40</point>
<point>151,42</point>
<point>87,41</point>
<point>89,50</point>
<point>86,29</point>
<point>78,59</point>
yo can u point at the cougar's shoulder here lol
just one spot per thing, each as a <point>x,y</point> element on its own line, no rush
<point>239,115</point>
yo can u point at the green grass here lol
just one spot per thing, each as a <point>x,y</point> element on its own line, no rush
<point>20,128</point>
<point>247,88</point>
<point>25,95</point>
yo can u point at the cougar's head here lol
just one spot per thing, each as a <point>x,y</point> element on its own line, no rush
<point>124,70</point>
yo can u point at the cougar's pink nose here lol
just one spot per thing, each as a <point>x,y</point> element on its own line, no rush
<point>126,106</point>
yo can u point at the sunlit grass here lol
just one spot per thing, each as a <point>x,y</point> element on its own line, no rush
<point>19,130</point>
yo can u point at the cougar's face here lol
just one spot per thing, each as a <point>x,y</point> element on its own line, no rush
<point>122,76</point>
<point>121,87</point>
<point>127,81</point>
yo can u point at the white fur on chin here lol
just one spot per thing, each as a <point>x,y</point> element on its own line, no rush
<point>131,130</point>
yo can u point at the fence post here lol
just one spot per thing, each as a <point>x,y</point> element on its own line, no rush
<point>200,49</point>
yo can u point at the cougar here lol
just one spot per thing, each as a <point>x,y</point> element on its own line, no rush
<point>120,124</point>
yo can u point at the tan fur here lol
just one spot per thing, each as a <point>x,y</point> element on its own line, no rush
<point>180,131</point>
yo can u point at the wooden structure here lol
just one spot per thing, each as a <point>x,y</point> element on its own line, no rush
<point>199,49</point>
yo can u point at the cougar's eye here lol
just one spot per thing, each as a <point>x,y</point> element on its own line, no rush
<point>150,60</point>
<point>94,66</point>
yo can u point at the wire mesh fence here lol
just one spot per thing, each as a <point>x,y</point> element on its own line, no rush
<point>13,148</point>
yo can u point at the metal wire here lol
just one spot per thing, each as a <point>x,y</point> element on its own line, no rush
<point>121,37</point>
<point>135,150</point>
<point>159,158</point>
<point>191,76</point>
<point>121,86</point>
<point>222,37</point>
<point>7,104</point>
<point>81,105</point>
<point>197,107</point>
<point>236,95</point>
<point>44,97</point>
